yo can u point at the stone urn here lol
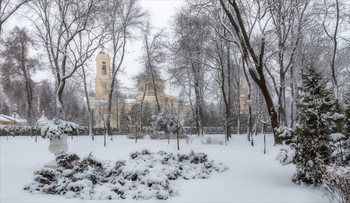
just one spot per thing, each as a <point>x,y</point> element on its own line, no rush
<point>58,144</point>
<point>57,131</point>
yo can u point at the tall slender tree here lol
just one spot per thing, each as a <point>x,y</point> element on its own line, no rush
<point>122,17</point>
<point>153,57</point>
<point>191,67</point>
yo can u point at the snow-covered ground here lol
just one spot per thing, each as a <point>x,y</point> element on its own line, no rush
<point>252,176</point>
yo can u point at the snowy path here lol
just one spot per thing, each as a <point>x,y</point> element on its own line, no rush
<point>252,176</point>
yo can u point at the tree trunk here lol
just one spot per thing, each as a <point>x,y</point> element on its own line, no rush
<point>335,47</point>
<point>249,99</point>
<point>292,96</point>
<point>141,113</point>
<point>155,93</point>
<point>270,109</point>
<point>115,70</point>
<point>29,100</point>
<point>91,115</point>
<point>281,98</point>
<point>109,110</point>
<point>225,93</point>
<point>177,138</point>
<point>59,99</point>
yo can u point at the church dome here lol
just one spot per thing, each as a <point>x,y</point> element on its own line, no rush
<point>43,120</point>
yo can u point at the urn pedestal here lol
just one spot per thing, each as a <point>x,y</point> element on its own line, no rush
<point>57,145</point>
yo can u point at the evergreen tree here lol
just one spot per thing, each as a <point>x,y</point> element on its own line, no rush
<point>311,144</point>
<point>347,114</point>
<point>346,143</point>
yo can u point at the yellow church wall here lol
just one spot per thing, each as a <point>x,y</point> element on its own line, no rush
<point>243,103</point>
<point>102,87</point>
<point>103,78</point>
<point>145,86</point>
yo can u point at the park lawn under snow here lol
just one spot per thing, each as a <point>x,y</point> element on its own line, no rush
<point>251,176</point>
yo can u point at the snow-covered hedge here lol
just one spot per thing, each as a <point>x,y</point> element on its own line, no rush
<point>145,175</point>
<point>54,129</point>
<point>17,130</point>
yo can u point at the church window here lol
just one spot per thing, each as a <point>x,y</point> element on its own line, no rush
<point>104,68</point>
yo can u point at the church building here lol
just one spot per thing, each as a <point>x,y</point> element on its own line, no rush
<point>145,93</point>
<point>103,82</point>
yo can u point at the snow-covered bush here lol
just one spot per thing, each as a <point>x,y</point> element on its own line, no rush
<point>159,135</point>
<point>140,135</point>
<point>208,140</point>
<point>145,175</point>
<point>286,133</point>
<point>166,126</point>
<point>337,183</point>
<point>340,149</point>
<point>160,123</point>
<point>54,129</point>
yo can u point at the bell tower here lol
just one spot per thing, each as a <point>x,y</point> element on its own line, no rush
<point>103,78</point>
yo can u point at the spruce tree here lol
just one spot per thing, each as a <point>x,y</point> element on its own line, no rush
<point>347,113</point>
<point>311,141</point>
<point>346,143</point>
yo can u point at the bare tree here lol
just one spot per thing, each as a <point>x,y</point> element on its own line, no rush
<point>8,8</point>
<point>287,23</point>
<point>83,75</point>
<point>46,94</point>
<point>220,55</point>
<point>18,63</point>
<point>253,55</point>
<point>191,67</point>
<point>331,23</point>
<point>122,17</point>
<point>153,57</point>
<point>58,24</point>
<point>80,51</point>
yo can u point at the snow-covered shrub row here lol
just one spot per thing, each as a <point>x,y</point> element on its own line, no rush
<point>145,175</point>
<point>17,130</point>
<point>337,183</point>
<point>160,135</point>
